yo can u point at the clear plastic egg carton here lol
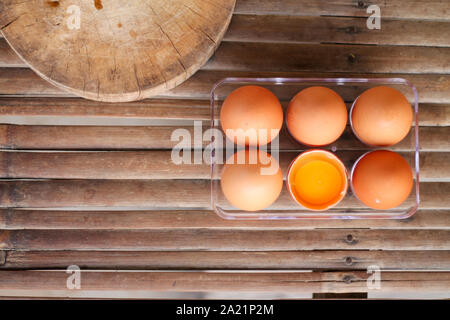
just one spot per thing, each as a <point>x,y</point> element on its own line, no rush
<point>348,148</point>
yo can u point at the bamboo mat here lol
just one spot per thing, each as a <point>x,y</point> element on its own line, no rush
<point>77,190</point>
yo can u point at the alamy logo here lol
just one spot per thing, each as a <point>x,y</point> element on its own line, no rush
<point>374,21</point>
<point>74,19</point>
<point>74,280</point>
<point>374,280</point>
<point>213,145</point>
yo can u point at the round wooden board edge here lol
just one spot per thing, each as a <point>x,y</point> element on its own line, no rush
<point>140,94</point>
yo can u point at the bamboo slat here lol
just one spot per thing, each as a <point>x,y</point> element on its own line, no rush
<point>403,9</point>
<point>326,29</point>
<point>160,137</point>
<point>89,137</point>
<point>355,281</point>
<point>225,240</point>
<point>192,219</point>
<point>159,165</point>
<point>148,260</point>
<point>242,56</point>
<point>99,165</point>
<point>158,109</point>
<point>142,194</point>
<point>432,88</point>
<point>105,193</point>
<point>7,56</point>
<point>434,115</point>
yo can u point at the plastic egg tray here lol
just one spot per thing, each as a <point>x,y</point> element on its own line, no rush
<point>348,148</point>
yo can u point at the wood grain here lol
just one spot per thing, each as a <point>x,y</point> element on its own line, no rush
<point>12,219</point>
<point>112,193</point>
<point>434,115</point>
<point>159,137</point>
<point>326,29</point>
<point>159,165</point>
<point>89,137</point>
<point>225,240</point>
<point>160,109</point>
<point>247,56</point>
<point>142,194</point>
<point>351,281</point>
<point>179,260</point>
<point>116,53</point>
<point>157,109</point>
<point>99,165</point>
<point>403,9</point>
<point>339,29</point>
<point>8,58</point>
<point>432,88</point>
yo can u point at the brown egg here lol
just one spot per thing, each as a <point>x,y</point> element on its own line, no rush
<point>251,115</point>
<point>381,116</point>
<point>316,116</point>
<point>251,181</point>
<point>382,179</point>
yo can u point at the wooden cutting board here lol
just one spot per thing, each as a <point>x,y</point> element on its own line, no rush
<point>112,50</point>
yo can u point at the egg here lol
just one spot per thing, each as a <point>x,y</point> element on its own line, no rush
<point>316,116</point>
<point>317,180</point>
<point>381,116</point>
<point>382,179</point>
<point>251,181</point>
<point>251,116</point>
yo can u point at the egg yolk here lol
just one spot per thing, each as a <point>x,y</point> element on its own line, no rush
<point>318,182</point>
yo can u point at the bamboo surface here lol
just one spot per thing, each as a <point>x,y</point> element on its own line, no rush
<point>429,260</point>
<point>140,165</point>
<point>169,194</point>
<point>93,184</point>
<point>216,281</point>
<point>225,240</point>
<point>156,109</point>
<point>327,29</point>
<point>402,9</point>
<point>14,219</point>
<point>23,82</point>
<point>160,137</point>
<point>243,56</point>
<point>159,109</point>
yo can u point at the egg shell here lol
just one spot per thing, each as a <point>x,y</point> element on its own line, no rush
<point>251,180</point>
<point>382,179</point>
<point>318,204</point>
<point>316,116</point>
<point>381,116</point>
<point>251,116</point>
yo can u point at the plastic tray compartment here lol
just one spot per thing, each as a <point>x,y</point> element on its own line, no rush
<point>348,148</point>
